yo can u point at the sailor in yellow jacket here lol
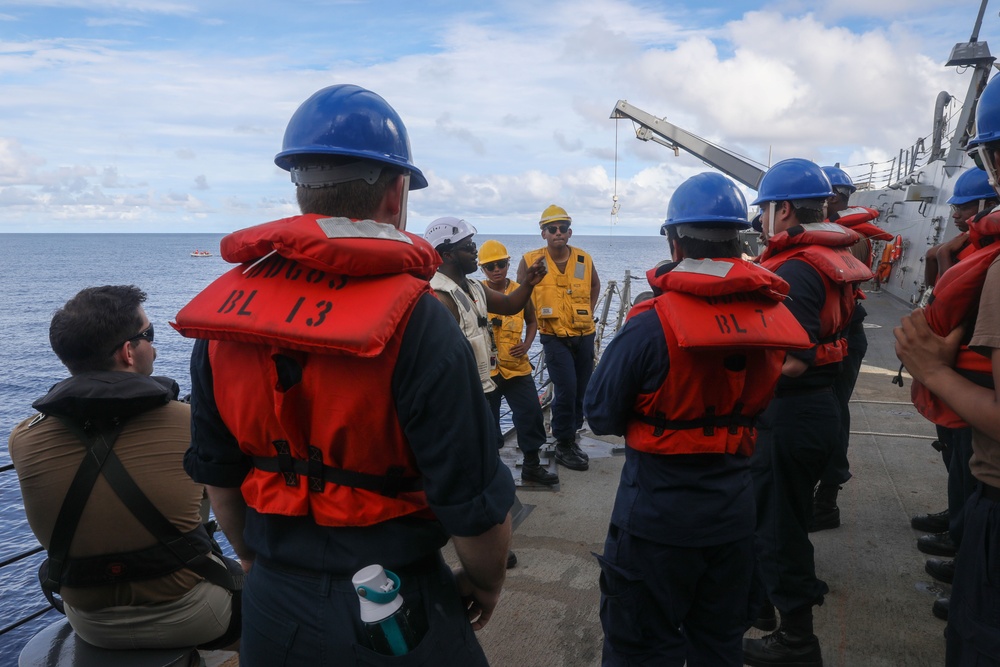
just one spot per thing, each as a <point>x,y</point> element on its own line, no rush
<point>512,374</point>
<point>564,307</point>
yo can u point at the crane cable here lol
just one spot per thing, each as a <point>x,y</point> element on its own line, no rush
<point>614,199</point>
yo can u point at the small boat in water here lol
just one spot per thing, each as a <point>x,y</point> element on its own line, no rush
<point>201,253</point>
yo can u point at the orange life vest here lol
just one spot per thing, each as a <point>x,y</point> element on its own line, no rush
<point>956,301</point>
<point>726,332</point>
<point>304,339</point>
<point>984,228</point>
<point>966,251</point>
<point>859,219</point>
<point>824,246</point>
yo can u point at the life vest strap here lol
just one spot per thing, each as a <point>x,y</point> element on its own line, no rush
<point>731,422</point>
<point>391,484</point>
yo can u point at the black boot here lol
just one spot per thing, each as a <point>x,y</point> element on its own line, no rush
<point>533,471</point>
<point>565,456</point>
<point>942,570</point>
<point>940,608</point>
<point>826,514</point>
<point>791,645</point>
<point>931,523</point>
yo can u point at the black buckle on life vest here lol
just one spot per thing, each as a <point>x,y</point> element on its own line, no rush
<point>734,417</point>
<point>315,469</point>
<point>732,421</point>
<point>286,465</point>
<point>709,428</point>
<point>660,427</point>
<point>393,481</point>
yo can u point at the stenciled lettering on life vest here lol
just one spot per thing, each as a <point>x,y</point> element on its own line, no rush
<point>314,259</point>
<point>726,332</point>
<point>955,302</point>
<point>507,332</point>
<point>824,246</point>
<point>562,298</point>
<point>303,343</point>
<point>475,325</point>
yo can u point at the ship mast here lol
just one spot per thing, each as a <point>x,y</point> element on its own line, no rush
<point>978,55</point>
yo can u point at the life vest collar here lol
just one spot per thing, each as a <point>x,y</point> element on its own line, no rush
<point>717,277</point>
<point>336,245</point>
<point>828,234</point>
<point>105,395</point>
<point>859,219</point>
<point>984,228</point>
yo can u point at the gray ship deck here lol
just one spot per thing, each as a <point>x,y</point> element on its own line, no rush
<point>878,610</point>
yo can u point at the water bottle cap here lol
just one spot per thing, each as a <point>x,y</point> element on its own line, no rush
<point>378,592</point>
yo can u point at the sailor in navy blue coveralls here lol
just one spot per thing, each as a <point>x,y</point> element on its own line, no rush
<point>681,527</point>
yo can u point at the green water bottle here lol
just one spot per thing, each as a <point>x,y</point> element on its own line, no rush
<point>383,611</point>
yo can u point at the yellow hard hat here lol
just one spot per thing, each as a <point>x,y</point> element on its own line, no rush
<point>491,251</point>
<point>554,214</point>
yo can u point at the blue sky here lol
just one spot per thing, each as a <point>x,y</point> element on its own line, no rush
<point>164,116</point>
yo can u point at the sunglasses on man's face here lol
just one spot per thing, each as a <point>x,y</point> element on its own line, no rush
<point>146,334</point>
<point>552,229</point>
<point>499,264</point>
<point>467,248</point>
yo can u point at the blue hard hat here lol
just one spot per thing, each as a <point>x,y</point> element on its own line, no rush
<point>708,199</point>
<point>792,179</point>
<point>988,115</point>
<point>973,185</point>
<point>839,178</point>
<point>351,121</point>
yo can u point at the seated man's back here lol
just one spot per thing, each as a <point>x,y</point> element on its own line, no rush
<point>120,587</point>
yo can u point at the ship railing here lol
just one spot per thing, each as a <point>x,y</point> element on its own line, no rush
<point>894,171</point>
<point>17,558</point>
<point>612,309</point>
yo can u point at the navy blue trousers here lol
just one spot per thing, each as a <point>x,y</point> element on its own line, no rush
<point>795,437</point>
<point>973,632</point>
<point>570,362</point>
<point>293,619</point>
<point>956,454</point>
<point>667,606</point>
<point>526,411</point>
<point>838,470</point>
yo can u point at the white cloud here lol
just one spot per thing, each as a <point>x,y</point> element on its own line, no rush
<point>507,107</point>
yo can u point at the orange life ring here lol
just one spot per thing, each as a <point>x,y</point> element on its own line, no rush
<point>897,248</point>
<point>890,254</point>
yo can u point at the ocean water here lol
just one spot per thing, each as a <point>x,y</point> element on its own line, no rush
<point>40,272</point>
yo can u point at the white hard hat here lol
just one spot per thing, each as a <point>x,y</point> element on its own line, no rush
<point>448,231</point>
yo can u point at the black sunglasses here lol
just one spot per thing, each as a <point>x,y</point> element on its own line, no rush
<point>499,264</point>
<point>469,247</point>
<point>552,229</point>
<point>146,334</point>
